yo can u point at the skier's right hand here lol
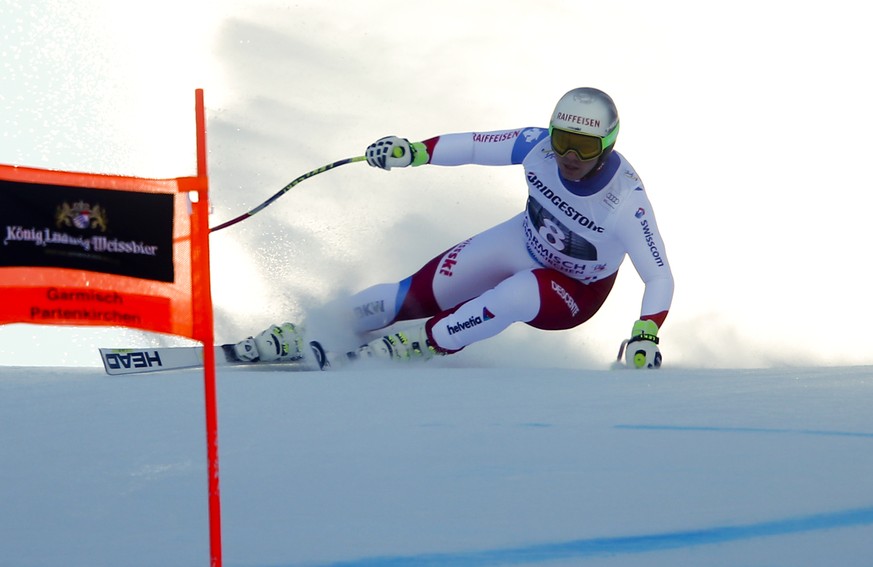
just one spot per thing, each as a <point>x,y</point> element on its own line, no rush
<point>389,152</point>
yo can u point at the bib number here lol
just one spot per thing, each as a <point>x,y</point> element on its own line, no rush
<point>552,233</point>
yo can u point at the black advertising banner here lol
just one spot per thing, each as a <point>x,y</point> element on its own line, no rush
<point>124,233</point>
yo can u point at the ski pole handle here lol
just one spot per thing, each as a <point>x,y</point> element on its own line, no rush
<point>284,190</point>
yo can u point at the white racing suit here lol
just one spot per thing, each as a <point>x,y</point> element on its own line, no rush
<point>551,266</point>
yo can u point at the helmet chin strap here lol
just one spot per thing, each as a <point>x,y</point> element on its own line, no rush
<point>601,161</point>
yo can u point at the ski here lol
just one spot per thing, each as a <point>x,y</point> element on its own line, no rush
<point>119,361</point>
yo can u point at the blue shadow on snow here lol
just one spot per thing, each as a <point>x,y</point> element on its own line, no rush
<point>610,546</point>
<point>820,432</point>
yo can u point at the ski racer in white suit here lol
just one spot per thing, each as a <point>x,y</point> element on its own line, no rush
<point>551,266</point>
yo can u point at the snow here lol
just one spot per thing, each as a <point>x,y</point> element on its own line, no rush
<point>441,464</point>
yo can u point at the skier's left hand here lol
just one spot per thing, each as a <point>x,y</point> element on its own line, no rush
<point>642,351</point>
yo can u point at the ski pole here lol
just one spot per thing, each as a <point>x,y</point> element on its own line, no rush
<point>284,190</point>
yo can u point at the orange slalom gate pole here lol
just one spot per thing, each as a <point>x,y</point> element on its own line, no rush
<point>201,278</point>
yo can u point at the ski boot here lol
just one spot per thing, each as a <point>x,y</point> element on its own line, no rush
<point>404,345</point>
<point>410,344</point>
<point>279,343</point>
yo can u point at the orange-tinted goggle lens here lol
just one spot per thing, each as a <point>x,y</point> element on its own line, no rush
<point>585,146</point>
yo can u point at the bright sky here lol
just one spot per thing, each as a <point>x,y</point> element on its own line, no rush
<point>748,122</point>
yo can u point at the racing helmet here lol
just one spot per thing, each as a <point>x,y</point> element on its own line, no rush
<point>584,121</point>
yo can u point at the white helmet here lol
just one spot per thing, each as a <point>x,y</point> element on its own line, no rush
<point>586,111</point>
<point>590,112</point>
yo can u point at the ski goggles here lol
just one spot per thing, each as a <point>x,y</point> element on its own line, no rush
<point>583,145</point>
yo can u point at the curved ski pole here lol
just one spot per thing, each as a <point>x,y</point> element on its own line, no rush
<point>621,349</point>
<point>284,190</point>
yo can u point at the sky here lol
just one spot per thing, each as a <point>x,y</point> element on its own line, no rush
<point>747,121</point>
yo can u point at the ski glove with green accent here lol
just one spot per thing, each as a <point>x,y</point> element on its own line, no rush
<point>392,151</point>
<point>641,350</point>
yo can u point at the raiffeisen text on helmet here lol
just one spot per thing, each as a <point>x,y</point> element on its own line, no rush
<point>580,120</point>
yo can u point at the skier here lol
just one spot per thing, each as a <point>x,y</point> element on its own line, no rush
<point>551,266</point>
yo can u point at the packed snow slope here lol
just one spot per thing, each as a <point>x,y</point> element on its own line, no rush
<point>441,465</point>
